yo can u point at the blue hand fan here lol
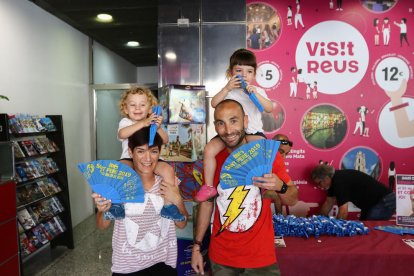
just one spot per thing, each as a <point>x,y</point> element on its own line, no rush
<point>252,159</point>
<point>113,180</point>
<point>252,96</point>
<point>153,128</point>
<point>399,230</point>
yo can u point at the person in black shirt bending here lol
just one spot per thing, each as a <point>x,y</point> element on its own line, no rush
<point>375,200</point>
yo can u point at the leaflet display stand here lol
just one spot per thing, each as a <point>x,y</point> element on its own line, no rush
<point>42,193</point>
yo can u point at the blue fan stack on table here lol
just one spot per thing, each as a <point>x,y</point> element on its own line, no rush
<point>252,159</point>
<point>252,96</point>
<point>316,226</point>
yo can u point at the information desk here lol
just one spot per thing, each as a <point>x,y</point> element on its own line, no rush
<point>378,253</point>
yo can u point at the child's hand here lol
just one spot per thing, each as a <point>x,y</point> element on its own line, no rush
<point>158,121</point>
<point>147,121</point>
<point>169,191</point>
<point>233,83</point>
<point>251,89</point>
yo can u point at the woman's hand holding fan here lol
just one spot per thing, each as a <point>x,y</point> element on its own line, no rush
<point>101,203</point>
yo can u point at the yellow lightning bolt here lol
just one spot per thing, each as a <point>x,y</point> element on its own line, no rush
<point>233,211</point>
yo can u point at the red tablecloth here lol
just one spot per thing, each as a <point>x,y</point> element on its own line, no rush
<point>378,253</point>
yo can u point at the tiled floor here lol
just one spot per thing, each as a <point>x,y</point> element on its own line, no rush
<point>91,255</point>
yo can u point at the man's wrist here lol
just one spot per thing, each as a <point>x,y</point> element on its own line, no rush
<point>283,189</point>
<point>197,245</point>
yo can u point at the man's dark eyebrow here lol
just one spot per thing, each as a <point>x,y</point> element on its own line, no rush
<point>233,117</point>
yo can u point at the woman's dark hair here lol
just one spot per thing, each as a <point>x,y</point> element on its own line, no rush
<point>141,137</point>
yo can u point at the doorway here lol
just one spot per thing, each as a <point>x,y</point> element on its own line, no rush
<point>105,118</point>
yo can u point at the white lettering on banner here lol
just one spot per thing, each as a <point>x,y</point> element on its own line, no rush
<point>297,151</point>
<point>296,154</point>
<point>334,54</point>
<point>300,182</point>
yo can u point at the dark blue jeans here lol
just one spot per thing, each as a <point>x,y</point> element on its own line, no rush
<point>383,210</point>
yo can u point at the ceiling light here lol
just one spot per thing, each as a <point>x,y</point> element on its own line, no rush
<point>104,17</point>
<point>132,44</point>
<point>170,56</point>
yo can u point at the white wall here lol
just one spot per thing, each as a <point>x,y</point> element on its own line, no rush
<point>44,70</point>
<point>147,74</point>
<point>111,68</point>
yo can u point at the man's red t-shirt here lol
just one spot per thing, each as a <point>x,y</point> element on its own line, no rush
<point>243,234</point>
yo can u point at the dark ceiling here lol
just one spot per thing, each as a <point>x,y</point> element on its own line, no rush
<point>133,20</point>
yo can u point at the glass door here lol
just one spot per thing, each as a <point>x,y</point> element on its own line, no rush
<point>106,116</point>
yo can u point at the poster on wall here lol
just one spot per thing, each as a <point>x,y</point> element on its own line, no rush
<point>405,199</point>
<point>341,76</point>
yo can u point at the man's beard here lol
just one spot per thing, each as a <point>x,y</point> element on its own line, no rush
<point>242,135</point>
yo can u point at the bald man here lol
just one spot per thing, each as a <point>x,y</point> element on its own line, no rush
<point>285,144</point>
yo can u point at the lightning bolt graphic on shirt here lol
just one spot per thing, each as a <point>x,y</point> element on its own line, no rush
<point>234,210</point>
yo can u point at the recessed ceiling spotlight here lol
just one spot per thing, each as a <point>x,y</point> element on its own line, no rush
<point>170,56</point>
<point>132,44</point>
<point>104,17</point>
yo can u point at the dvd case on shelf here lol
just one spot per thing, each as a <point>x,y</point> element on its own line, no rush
<point>23,194</point>
<point>53,185</point>
<point>50,229</point>
<point>28,147</point>
<point>18,152</point>
<point>40,211</point>
<point>26,246</point>
<point>43,187</point>
<point>34,191</point>
<point>39,146</point>
<point>48,124</point>
<point>25,219</point>
<point>33,239</point>
<point>40,234</point>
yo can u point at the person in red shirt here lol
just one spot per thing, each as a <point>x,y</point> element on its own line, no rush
<point>242,240</point>
<point>284,149</point>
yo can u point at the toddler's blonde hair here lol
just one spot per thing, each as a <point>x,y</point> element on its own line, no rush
<point>136,90</point>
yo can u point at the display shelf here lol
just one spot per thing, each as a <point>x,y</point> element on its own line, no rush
<point>40,156</point>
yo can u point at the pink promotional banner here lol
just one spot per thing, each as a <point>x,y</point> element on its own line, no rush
<point>340,73</point>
